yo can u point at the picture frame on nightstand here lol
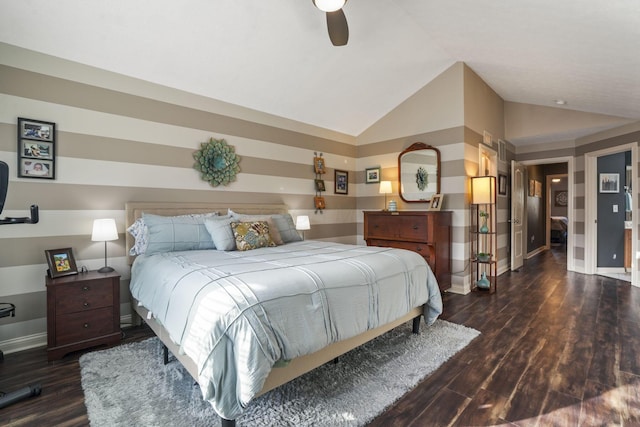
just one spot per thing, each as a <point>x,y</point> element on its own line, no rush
<point>61,262</point>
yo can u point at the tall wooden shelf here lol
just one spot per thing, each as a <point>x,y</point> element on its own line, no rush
<point>481,240</point>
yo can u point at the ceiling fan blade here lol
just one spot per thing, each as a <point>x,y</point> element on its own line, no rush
<point>338,28</point>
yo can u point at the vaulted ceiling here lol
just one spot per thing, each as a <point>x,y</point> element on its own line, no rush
<point>275,55</point>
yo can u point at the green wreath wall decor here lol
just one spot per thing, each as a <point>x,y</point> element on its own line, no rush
<point>217,162</point>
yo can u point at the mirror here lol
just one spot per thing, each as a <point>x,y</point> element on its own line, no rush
<point>419,173</point>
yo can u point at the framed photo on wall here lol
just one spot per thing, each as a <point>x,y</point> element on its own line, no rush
<point>318,165</point>
<point>372,175</point>
<point>61,262</point>
<point>320,185</point>
<point>609,182</point>
<point>36,149</point>
<point>502,185</point>
<point>341,182</point>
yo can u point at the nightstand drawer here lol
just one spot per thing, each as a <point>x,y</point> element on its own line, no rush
<point>84,325</point>
<point>76,297</point>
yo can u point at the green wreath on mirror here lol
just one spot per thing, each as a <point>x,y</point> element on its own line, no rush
<point>217,162</point>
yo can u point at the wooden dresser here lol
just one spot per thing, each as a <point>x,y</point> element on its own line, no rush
<point>425,232</point>
<point>83,311</point>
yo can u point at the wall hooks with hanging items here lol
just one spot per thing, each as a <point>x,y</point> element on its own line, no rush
<point>319,169</point>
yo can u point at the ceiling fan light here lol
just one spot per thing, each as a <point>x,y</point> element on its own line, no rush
<point>329,5</point>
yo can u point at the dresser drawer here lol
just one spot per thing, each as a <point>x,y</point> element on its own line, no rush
<point>82,296</point>
<point>421,248</point>
<point>85,325</point>
<point>415,228</point>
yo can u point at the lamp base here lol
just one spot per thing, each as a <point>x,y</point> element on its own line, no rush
<point>106,269</point>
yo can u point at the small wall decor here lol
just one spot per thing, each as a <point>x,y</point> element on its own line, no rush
<point>372,175</point>
<point>217,162</point>
<point>61,262</point>
<point>319,169</point>
<point>36,149</point>
<point>609,182</point>
<point>341,182</point>
<point>538,189</point>
<point>561,198</point>
<point>318,202</point>
<point>502,185</point>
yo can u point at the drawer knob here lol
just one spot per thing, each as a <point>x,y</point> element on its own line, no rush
<point>419,248</point>
<point>85,288</point>
<point>415,227</point>
<point>86,325</point>
<point>85,304</point>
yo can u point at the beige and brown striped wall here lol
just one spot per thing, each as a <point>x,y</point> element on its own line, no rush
<point>120,139</point>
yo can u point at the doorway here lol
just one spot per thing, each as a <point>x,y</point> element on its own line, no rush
<point>605,207</point>
<point>569,237</point>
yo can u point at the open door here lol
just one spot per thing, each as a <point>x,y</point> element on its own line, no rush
<point>517,214</point>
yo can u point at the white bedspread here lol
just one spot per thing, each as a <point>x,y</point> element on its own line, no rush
<point>237,313</point>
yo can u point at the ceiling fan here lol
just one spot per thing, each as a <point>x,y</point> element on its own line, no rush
<point>336,21</point>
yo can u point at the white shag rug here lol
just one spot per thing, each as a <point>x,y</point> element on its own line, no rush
<point>129,385</point>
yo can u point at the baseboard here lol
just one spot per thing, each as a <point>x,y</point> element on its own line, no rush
<point>40,339</point>
<point>24,343</point>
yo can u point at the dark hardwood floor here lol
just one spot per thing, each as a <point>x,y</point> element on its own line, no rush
<point>557,349</point>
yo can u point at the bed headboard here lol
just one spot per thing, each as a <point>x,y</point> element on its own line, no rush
<point>134,211</point>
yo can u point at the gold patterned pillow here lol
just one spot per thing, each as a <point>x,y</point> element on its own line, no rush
<point>251,235</point>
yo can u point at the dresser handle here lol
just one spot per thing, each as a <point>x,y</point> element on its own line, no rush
<point>85,304</point>
<point>419,248</point>
<point>415,227</point>
<point>86,325</point>
<point>85,288</point>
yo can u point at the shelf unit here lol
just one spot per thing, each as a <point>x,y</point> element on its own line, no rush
<point>483,192</point>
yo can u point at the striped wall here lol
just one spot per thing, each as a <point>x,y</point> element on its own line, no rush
<point>120,139</point>
<point>115,145</point>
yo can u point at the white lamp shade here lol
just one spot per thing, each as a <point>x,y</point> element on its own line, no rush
<point>483,189</point>
<point>302,223</point>
<point>385,187</point>
<point>329,5</point>
<point>104,230</point>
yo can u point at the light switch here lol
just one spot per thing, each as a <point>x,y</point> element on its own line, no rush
<point>615,208</point>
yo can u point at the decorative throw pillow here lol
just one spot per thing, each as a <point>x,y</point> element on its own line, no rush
<point>220,231</point>
<point>273,229</point>
<point>286,227</point>
<point>251,235</point>
<point>140,234</point>
<point>177,233</point>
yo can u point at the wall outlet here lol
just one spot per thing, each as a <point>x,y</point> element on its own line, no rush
<point>615,208</point>
<point>614,256</point>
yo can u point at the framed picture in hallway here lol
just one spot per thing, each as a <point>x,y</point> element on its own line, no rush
<point>609,182</point>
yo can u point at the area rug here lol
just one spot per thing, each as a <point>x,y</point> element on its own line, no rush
<point>129,385</point>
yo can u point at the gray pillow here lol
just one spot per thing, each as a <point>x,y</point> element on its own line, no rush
<point>220,231</point>
<point>177,233</point>
<point>286,227</point>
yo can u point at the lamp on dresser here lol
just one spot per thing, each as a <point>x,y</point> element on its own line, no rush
<point>104,230</point>
<point>385,188</point>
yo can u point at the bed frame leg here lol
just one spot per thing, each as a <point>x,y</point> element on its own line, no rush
<point>227,423</point>
<point>416,324</point>
<point>165,354</point>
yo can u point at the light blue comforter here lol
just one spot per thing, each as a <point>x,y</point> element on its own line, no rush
<point>237,313</point>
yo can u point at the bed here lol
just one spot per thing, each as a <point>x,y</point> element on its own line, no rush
<point>559,229</point>
<point>243,322</point>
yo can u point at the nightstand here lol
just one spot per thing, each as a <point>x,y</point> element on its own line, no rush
<point>83,310</point>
